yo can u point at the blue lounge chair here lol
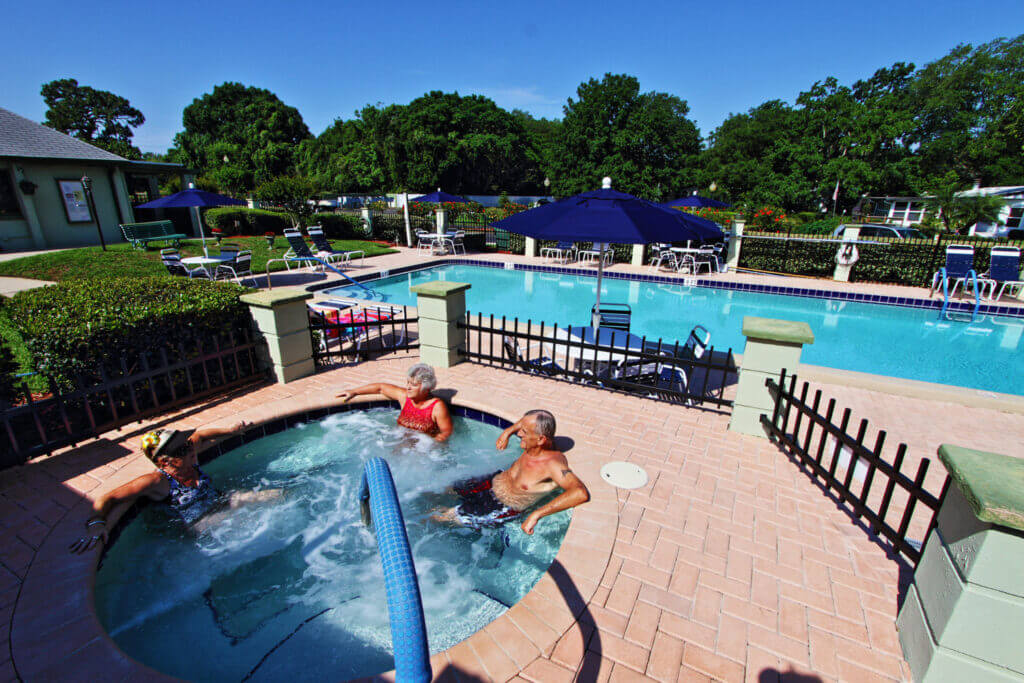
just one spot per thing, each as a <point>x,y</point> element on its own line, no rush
<point>1004,270</point>
<point>544,365</point>
<point>299,252</point>
<point>564,252</point>
<point>323,246</point>
<point>959,267</point>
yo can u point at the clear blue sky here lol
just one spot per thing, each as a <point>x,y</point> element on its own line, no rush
<point>330,59</point>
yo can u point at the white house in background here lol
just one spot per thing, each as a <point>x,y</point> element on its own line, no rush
<point>905,211</point>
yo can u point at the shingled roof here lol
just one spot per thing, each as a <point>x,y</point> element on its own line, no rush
<point>21,138</point>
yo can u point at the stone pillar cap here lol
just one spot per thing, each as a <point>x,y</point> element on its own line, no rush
<point>993,484</point>
<point>439,288</point>
<point>769,329</point>
<point>270,298</point>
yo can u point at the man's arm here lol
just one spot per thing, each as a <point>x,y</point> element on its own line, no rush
<point>502,441</point>
<point>574,493</point>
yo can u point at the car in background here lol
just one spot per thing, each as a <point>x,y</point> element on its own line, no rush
<point>880,230</point>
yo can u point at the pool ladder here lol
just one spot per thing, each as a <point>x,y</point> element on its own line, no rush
<point>973,276</point>
<point>379,505</point>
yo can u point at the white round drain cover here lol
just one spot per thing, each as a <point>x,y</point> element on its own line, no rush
<point>624,475</point>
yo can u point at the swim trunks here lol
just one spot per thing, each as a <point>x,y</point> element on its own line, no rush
<point>480,508</point>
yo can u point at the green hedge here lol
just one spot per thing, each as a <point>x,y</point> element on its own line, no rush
<point>80,327</point>
<point>340,226</point>
<point>233,220</point>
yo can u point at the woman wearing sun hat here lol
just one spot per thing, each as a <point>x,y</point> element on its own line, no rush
<point>177,478</point>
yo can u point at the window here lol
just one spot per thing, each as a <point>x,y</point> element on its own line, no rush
<point>914,212</point>
<point>1013,220</point>
<point>869,232</point>
<point>9,207</point>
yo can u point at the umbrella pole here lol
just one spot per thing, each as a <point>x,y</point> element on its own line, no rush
<point>595,315</point>
<point>202,235</point>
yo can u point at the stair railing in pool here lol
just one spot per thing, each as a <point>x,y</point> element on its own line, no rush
<point>973,276</point>
<point>379,504</point>
<point>370,292</point>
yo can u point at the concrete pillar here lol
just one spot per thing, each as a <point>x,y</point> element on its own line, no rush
<point>440,305</point>
<point>638,254</point>
<point>367,217</point>
<point>282,319</point>
<point>28,209</point>
<point>442,221</point>
<point>735,242</point>
<point>960,620</point>
<point>531,247</point>
<point>121,196</point>
<point>842,273</point>
<point>771,346</point>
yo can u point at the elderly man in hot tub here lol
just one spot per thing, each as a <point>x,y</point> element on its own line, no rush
<point>505,495</point>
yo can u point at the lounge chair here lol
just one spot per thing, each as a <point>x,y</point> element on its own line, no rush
<point>335,315</point>
<point>594,253</point>
<point>544,365</point>
<point>1004,269</point>
<point>323,246</point>
<point>563,252</point>
<point>171,259</point>
<point>613,316</point>
<point>299,252</point>
<point>239,268</point>
<point>959,266</point>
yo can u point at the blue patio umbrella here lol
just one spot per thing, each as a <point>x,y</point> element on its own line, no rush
<point>608,216</point>
<point>439,197</point>
<point>193,198</point>
<point>698,202</point>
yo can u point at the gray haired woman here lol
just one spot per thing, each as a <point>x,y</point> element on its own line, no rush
<point>421,410</point>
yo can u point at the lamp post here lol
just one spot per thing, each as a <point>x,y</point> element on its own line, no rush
<point>87,187</point>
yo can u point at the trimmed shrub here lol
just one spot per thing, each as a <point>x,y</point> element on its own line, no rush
<point>234,220</point>
<point>8,368</point>
<point>90,327</point>
<point>339,226</point>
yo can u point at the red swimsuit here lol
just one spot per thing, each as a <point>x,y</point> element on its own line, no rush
<point>420,419</point>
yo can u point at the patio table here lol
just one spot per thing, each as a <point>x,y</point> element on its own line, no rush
<point>206,261</point>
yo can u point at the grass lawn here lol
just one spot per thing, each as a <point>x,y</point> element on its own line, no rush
<point>121,259</point>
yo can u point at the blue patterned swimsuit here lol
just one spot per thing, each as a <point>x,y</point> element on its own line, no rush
<point>191,502</point>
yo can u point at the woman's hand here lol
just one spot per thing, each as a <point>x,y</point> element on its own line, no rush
<point>89,540</point>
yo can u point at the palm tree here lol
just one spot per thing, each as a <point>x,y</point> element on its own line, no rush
<point>946,200</point>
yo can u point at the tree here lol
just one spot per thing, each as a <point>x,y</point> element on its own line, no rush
<point>240,136</point>
<point>544,135</point>
<point>98,117</point>
<point>643,141</point>
<point>291,193</point>
<point>343,159</point>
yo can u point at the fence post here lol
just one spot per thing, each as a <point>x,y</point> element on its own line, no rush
<point>961,617</point>
<point>735,242</point>
<point>442,221</point>
<point>771,346</point>
<point>282,319</point>
<point>531,247</point>
<point>368,219</point>
<point>441,305</point>
<point>842,272</point>
<point>638,254</point>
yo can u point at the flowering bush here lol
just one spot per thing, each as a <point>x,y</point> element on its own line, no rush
<point>768,218</point>
<point>722,217</point>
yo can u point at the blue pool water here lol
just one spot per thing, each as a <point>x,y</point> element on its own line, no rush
<point>884,340</point>
<point>293,590</point>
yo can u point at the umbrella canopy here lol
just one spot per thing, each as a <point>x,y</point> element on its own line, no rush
<point>698,202</point>
<point>191,197</point>
<point>608,216</point>
<point>439,197</point>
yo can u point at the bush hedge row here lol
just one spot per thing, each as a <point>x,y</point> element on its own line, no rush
<point>81,326</point>
<point>233,220</point>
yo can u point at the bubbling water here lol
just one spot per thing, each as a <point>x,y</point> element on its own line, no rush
<point>294,587</point>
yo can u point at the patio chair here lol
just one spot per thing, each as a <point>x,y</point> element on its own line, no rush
<point>662,256</point>
<point>707,257</point>
<point>425,241</point>
<point>171,259</point>
<point>323,246</point>
<point>459,242</point>
<point>239,268</point>
<point>544,365</point>
<point>298,251</point>
<point>959,267</point>
<point>229,249</point>
<point>563,252</point>
<point>595,251</point>
<point>1004,269</point>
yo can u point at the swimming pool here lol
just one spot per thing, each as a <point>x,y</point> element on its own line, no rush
<point>257,589</point>
<point>896,341</point>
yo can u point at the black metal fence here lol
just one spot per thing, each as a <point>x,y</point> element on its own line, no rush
<point>483,236</point>
<point>351,334</point>
<point>162,379</point>
<point>884,260</point>
<point>389,225</point>
<point>676,372</point>
<point>846,464</point>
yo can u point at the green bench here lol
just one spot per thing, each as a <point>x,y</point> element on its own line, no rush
<point>140,234</point>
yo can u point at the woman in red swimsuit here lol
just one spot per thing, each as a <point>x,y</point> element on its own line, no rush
<point>420,410</point>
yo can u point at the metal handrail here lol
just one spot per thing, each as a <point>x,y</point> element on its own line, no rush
<point>379,505</point>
